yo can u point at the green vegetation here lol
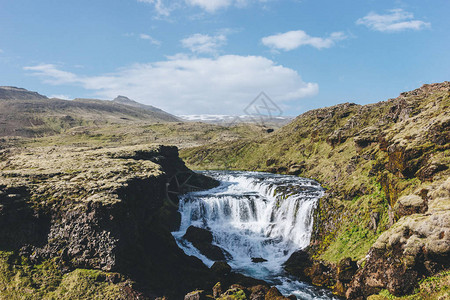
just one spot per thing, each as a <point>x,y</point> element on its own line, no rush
<point>344,147</point>
<point>20,279</point>
<point>113,135</point>
<point>357,231</point>
<point>431,288</point>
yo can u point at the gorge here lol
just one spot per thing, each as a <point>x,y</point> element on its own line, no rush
<point>257,220</point>
<point>102,209</point>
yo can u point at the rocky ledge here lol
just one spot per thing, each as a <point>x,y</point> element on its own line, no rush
<point>111,210</point>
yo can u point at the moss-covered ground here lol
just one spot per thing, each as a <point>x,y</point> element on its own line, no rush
<point>432,288</point>
<point>20,279</point>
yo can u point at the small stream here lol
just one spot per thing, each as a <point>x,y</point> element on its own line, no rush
<point>256,215</point>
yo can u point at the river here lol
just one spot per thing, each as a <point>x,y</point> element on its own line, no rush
<point>256,215</point>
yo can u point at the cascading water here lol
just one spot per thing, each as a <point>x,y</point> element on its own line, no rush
<point>255,215</point>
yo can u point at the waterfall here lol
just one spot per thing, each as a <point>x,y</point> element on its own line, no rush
<point>252,215</point>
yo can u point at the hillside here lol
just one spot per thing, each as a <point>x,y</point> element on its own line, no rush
<point>15,93</point>
<point>25,113</point>
<point>386,169</point>
<point>127,101</point>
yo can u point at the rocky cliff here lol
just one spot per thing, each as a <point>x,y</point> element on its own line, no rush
<point>386,169</point>
<point>83,220</point>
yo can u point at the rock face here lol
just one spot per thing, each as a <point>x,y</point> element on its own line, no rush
<point>202,240</point>
<point>418,245</point>
<point>334,276</point>
<point>104,209</point>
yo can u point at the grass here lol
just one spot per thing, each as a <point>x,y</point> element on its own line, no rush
<point>20,279</point>
<point>112,135</point>
<point>356,234</point>
<point>358,178</point>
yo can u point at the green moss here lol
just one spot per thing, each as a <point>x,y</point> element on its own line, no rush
<point>234,294</point>
<point>431,288</point>
<point>19,279</point>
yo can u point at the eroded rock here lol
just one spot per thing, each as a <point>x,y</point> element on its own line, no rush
<point>202,240</point>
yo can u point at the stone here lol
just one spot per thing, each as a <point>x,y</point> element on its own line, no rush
<point>345,270</point>
<point>198,235</point>
<point>217,290</point>
<point>297,263</point>
<point>195,295</point>
<point>320,274</point>
<point>296,169</point>
<point>274,294</point>
<point>221,268</point>
<point>339,289</point>
<point>235,292</point>
<point>410,204</point>
<point>202,240</point>
<point>258,292</point>
<point>427,172</point>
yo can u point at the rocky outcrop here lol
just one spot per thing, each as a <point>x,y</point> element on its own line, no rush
<point>320,273</point>
<point>418,245</point>
<point>202,240</point>
<point>237,291</point>
<point>106,209</point>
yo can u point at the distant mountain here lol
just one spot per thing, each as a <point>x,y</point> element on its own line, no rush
<point>127,101</point>
<point>232,120</point>
<point>15,93</point>
<point>122,100</point>
<point>26,113</point>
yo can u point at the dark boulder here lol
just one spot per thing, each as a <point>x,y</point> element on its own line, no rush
<point>221,268</point>
<point>320,274</point>
<point>297,263</point>
<point>345,270</point>
<point>198,235</point>
<point>202,240</point>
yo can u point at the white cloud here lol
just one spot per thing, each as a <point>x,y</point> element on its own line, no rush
<point>52,74</point>
<point>1,51</point>
<point>396,20</point>
<point>144,36</point>
<point>190,85</point>
<point>210,5</point>
<point>293,39</point>
<point>203,43</point>
<point>160,7</point>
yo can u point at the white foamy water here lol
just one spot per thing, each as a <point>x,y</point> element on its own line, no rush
<point>255,215</point>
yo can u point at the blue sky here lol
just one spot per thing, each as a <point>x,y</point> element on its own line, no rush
<point>215,56</point>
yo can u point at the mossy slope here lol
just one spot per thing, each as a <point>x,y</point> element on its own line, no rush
<point>366,156</point>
